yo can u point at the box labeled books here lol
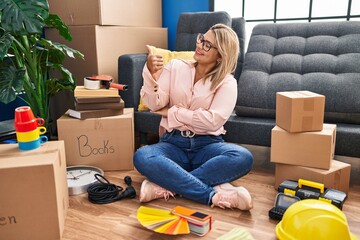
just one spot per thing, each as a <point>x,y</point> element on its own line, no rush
<point>104,142</point>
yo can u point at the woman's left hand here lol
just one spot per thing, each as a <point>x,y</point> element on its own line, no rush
<point>163,112</point>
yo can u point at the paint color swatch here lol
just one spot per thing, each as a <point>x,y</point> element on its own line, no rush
<point>179,220</point>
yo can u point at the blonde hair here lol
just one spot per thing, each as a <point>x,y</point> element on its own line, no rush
<point>227,43</point>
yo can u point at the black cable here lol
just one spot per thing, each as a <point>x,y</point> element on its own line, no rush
<point>106,192</point>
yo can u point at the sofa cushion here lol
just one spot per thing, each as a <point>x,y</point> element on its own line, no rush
<point>319,57</point>
<point>167,57</point>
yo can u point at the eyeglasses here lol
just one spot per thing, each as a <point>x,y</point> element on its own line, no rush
<point>206,45</point>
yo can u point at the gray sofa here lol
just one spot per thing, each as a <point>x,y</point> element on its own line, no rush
<point>322,57</point>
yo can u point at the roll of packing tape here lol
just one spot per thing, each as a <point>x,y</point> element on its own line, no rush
<point>91,84</point>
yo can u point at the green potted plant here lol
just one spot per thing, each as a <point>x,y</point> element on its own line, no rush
<point>30,65</point>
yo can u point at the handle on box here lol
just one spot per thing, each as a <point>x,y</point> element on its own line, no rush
<point>303,182</point>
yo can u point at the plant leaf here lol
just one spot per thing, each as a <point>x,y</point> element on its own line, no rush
<point>70,52</point>
<point>21,17</point>
<point>11,80</point>
<point>67,81</point>
<point>5,42</point>
<point>55,21</point>
<point>58,51</point>
<point>56,54</point>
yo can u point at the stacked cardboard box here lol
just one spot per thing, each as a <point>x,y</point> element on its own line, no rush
<point>105,29</point>
<point>106,142</point>
<point>34,195</point>
<point>302,146</point>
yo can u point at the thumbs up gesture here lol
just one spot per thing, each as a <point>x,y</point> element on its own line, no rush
<point>154,61</point>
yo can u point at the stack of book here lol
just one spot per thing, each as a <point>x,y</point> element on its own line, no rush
<point>179,220</point>
<point>96,103</point>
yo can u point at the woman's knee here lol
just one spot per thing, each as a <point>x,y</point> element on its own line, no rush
<point>141,157</point>
<point>249,158</point>
<point>245,158</point>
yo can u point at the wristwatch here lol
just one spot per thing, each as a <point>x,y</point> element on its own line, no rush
<point>79,178</point>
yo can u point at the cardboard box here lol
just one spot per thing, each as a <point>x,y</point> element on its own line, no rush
<point>309,149</point>
<point>337,177</point>
<point>300,111</point>
<point>103,45</point>
<point>141,13</point>
<point>107,143</point>
<point>34,193</point>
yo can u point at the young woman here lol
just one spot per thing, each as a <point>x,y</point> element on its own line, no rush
<point>195,99</point>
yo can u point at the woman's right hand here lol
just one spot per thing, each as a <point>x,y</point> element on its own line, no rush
<point>154,62</point>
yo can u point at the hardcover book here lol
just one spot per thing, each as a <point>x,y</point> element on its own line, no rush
<point>180,220</point>
<point>94,113</point>
<point>100,99</point>
<point>96,106</point>
<point>81,91</point>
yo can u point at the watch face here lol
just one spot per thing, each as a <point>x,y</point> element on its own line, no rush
<point>79,178</point>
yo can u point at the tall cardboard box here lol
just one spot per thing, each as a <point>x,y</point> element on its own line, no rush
<point>34,194</point>
<point>300,111</point>
<point>337,177</point>
<point>103,45</point>
<point>107,143</point>
<point>141,13</point>
<point>309,149</point>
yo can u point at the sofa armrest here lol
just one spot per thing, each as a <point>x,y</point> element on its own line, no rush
<point>130,67</point>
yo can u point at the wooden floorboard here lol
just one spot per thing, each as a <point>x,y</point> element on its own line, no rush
<point>86,221</point>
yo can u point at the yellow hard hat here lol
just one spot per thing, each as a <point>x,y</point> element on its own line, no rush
<point>313,219</point>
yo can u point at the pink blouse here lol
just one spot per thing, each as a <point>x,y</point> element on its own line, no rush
<point>191,106</point>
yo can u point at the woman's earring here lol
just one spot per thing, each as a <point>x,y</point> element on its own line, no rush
<point>218,61</point>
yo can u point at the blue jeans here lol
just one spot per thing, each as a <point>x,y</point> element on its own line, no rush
<point>191,167</point>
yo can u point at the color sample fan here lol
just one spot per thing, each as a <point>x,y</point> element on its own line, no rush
<point>162,221</point>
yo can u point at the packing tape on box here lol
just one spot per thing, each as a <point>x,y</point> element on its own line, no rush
<point>91,84</point>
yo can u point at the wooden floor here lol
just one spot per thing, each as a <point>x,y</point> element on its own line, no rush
<point>118,220</point>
